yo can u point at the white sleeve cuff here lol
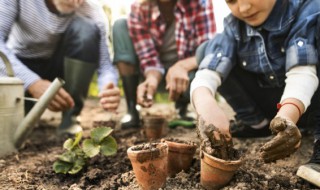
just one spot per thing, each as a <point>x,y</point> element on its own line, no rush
<point>301,83</point>
<point>205,78</point>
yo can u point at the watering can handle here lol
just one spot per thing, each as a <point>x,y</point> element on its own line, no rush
<point>7,63</point>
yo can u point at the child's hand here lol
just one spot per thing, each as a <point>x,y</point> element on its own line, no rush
<point>286,141</point>
<point>212,139</point>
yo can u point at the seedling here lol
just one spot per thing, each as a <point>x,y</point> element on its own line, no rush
<point>76,157</point>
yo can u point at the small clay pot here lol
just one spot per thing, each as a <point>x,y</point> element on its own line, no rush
<point>180,155</point>
<point>216,173</point>
<point>153,126</point>
<point>149,165</point>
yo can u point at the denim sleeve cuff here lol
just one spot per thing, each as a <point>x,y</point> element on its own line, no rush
<point>301,53</point>
<point>216,62</point>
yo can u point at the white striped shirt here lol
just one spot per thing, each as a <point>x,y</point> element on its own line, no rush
<point>29,30</point>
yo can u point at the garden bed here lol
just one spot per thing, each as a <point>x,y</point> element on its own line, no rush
<point>31,168</point>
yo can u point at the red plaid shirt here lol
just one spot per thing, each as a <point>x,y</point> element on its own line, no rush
<point>194,20</point>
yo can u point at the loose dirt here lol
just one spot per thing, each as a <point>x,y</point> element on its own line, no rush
<point>31,168</point>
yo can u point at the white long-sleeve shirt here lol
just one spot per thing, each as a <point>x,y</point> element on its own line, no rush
<point>28,29</point>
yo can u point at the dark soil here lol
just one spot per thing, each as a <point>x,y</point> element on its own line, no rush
<point>148,146</point>
<point>31,168</point>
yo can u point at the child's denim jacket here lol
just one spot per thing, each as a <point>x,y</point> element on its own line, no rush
<point>286,39</point>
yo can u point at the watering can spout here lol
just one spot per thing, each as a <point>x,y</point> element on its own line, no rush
<point>35,113</point>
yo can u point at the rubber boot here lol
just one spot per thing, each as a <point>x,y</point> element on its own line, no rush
<point>131,119</point>
<point>78,75</point>
<point>182,110</point>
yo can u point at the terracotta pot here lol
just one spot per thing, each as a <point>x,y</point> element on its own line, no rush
<point>154,126</point>
<point>180,156</point>
<point>216,173</point>
<point>150,166</point>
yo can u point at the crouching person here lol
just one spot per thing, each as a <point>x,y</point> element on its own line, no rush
<point>57,38</point>
<point>266,67</point>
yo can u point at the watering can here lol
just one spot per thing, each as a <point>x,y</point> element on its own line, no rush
<point>14,127</point>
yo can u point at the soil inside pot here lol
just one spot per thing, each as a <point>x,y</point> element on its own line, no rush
<point>153,148</point>
<point>224,149</point>
<point>148,146</point>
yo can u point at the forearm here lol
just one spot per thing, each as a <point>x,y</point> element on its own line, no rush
<point>154,76</point>
<point>208,109</point>
<point>188,64</point>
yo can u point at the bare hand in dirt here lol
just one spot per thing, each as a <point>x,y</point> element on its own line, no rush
<point>286,141</point>
<point>61,101</point>
<point>148,88</point>
<point>110,97</point>
<point>145,93</point>
<point>213,141</point>
<point>177,81</point>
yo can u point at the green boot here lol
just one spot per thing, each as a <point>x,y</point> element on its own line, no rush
<point>131,119</point>
<point>77,75</point>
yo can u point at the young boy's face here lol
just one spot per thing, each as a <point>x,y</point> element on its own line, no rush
<point>67,6</point>
<point>252,12</point>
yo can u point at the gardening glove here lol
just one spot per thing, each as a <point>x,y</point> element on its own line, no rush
<point>286,141</point>
<point>213,141</point>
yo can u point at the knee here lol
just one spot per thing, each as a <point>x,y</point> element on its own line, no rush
<point>83,33</point>
<point>120,28</point>
<point>82,40</point>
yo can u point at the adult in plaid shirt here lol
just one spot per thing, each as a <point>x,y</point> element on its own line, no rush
<point>159,41</point>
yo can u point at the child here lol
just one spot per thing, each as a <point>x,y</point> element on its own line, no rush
<point>266,54</point>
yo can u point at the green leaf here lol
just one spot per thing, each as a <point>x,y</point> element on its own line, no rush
<point>61,166</point>
<point>98,134</point>
<point>68,157</point>
<point>78,165</point>
<point>109,146</point>
<point>69,144</point>
<point>90,148</point>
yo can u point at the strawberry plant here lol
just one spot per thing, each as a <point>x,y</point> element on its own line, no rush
<point>77,156</point>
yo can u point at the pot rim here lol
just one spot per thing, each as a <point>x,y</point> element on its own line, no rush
<point>208,158</point>
<point>180,147</point>
<point>161,147</point>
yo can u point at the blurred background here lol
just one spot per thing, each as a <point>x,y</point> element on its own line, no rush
<point>116,9</point>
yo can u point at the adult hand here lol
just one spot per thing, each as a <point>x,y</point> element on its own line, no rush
<point>177,81</point>
<point>148,88</point>
<point>60,102</point>
<point>145,93</point>
<point>286,141</point>
<point>110,97</point>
